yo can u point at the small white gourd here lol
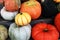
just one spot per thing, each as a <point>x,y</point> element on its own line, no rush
<point>8,15</point>
<point>19,33</point>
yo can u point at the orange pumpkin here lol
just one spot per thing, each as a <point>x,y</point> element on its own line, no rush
<point>31,7</point>
<point>57,21</point>
<point>1,1</point>
<point>57,1</point>
<point>22,19</point>
<point>11,5</point>
<point>44,31</point>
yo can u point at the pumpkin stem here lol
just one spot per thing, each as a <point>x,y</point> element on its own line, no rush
<point>20,13</point>
<point>19,26</point>
<point>45,30</point>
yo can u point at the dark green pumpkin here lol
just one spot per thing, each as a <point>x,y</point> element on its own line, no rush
<point>49,8</point>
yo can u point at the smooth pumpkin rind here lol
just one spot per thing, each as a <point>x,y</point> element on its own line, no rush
<point>12,5</point>
<point>38,32</point>
<point>57,21</point>
<point>31,7</point>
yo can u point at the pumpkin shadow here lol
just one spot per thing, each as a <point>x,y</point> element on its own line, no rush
<point>48,20</point>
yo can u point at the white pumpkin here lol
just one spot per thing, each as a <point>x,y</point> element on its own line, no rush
<point>8,15</point>
<point>19,33</point>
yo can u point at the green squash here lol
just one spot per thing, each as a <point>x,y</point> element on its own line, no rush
<point>3,32</point>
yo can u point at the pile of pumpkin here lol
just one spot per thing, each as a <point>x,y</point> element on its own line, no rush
<point>23,14</point>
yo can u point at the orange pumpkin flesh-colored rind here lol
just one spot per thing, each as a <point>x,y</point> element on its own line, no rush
<point>57,21</point>
<point>31,7</point>
<point>38,32</point>
<point>11,5</point>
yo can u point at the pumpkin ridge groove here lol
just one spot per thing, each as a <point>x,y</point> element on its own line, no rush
<point>26,33</point>
<point>26,18</point>
<point>17,20</point>
<point>22,21</point>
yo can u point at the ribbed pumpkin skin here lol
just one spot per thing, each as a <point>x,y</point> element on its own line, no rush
<point>57,21</point>
<point>19,33</point>
<point>11,5</point>
<point>38,32</point>
<point>31,7</point>
<point>22,19</point>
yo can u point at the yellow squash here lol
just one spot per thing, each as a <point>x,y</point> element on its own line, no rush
<point>22,19</point>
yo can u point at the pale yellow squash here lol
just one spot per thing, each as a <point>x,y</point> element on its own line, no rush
<point>22,19</point>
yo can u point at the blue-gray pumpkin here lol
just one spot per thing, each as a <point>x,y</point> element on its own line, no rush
<point>19,33</point>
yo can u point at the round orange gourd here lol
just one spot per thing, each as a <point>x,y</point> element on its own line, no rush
<point>57,21</point>
<point>31,7</point>
<point>44,31</point>
<point>22,19</point>
<point>12,5</point>
<point>1,1</point>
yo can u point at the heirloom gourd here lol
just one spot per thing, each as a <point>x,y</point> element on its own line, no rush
<point>12,5</point>
<point>19,33</point>
<point>8,15</point>
<point>3,32</point>
<point>22,18</point>
<point>44,31</point>
<point>57,21</point>
<point>32,7</point>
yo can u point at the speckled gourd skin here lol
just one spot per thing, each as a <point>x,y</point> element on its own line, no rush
<point>3,32</point>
